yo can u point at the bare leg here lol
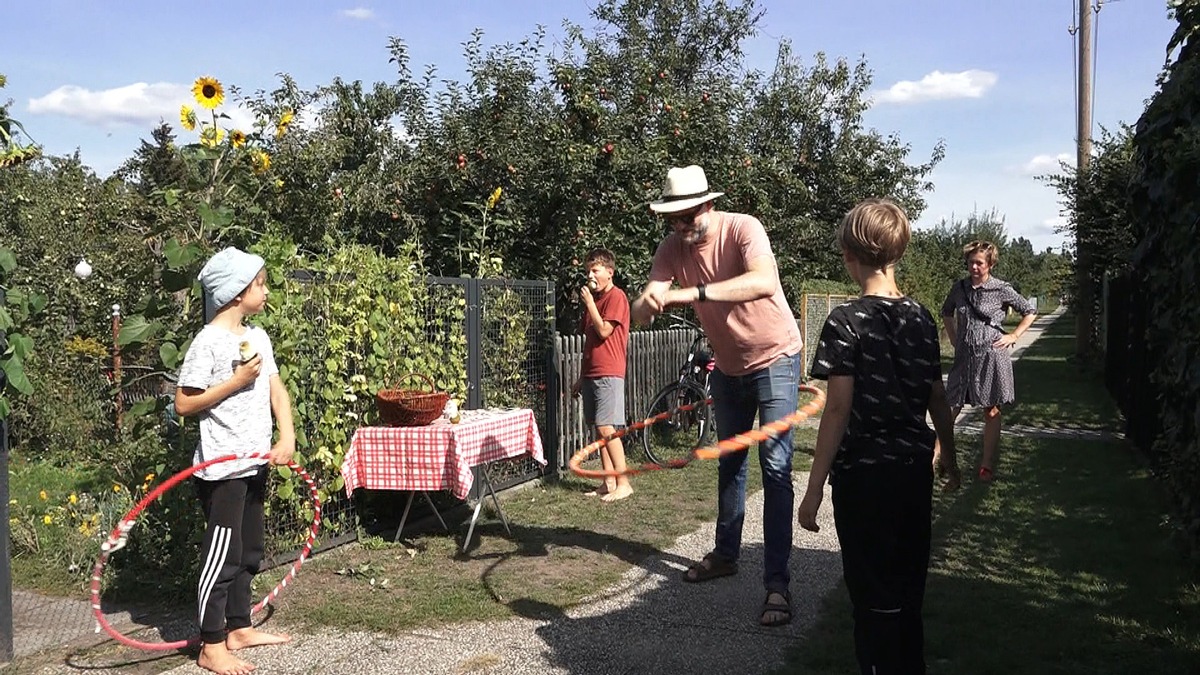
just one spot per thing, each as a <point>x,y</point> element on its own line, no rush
<point>253,637</point>
<point>937,444</point>
<point>991,438</point>
<point>620,487</point>
<point>215,656</point>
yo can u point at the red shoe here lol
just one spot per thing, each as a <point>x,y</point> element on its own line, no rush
<point>986,475</point>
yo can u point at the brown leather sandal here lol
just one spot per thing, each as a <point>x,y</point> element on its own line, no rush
<point>717,567</point>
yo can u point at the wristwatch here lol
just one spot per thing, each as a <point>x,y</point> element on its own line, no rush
<point>701,296</point>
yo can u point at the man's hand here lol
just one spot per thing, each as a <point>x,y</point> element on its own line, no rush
<point>806,515</point>
<point>246,373</point>
<point>647,307</point>
<point>585,296</point>
<point>281,452</point>
<point>577,388</point>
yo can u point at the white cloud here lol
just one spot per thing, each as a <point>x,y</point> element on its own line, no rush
<point>1047,164</point>
<point>135,104</point>
<point>939,86</point>
<point>359,13</point>
<point>1052,225</point>
<point>138,105</point>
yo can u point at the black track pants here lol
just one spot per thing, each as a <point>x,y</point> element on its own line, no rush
<point>231,553</point>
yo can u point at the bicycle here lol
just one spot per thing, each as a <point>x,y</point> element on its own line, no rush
<point>691,423</point>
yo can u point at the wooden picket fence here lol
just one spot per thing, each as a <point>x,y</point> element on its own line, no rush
<point>653,361</point>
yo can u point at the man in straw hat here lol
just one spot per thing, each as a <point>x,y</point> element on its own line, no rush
<point>723,266</point>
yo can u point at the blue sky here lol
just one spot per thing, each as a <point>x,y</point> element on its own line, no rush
<point>994,80</point>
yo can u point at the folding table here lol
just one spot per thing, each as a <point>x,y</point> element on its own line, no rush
<point>441,456</point>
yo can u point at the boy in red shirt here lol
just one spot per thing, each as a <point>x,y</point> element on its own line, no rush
<point>601,382</point>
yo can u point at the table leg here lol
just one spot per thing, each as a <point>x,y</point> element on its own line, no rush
<point>486,483</point>
<point>435,511</point>
<point>404,518</point>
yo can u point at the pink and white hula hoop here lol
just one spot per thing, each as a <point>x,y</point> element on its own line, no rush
<point>120,535</point>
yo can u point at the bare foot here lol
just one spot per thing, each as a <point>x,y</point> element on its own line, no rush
<point>598,491</point>
<point>621,492</point>
<point>252,637</point>
<point>215,656</point>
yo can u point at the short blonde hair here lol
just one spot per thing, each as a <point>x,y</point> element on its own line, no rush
<point>875,232</point>
<point>987,248</point>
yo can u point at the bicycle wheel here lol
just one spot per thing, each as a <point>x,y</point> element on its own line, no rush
<point>684,430</point>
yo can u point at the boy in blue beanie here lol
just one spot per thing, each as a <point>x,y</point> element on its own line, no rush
<point>230,380</point>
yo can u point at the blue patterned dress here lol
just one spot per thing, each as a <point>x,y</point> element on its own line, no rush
<point>982,374</point>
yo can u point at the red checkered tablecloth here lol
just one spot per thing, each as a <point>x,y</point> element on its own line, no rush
<point>439,456</point>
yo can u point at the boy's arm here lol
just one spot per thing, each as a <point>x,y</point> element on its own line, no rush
<point>829,437</point>
<point>943,424</point>
<point>603,328</point>
<point>281,408</point>
<point>190,400</point>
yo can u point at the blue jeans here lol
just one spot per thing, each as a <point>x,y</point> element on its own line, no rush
<point>771,393</point>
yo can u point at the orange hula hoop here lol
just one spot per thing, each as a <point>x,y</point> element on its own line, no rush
<point>738,443</point>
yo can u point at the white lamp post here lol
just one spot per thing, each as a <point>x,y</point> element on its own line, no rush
<point>83,270</point>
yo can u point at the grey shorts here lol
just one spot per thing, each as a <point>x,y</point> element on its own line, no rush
<point>604,401</point>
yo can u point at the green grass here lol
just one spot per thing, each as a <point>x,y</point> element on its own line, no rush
<point>1062,566</point>
<point>563,548</point>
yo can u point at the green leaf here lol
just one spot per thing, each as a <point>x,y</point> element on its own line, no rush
<point>135,329</point>
<point>180,255</point>
<point>37,302</point>
<point>218,217</point>
<point>286,490</point>
<point>169,354</point>
<point>8,261</point>
<point>171,197</point>
<point>143,407</point>
<point>14,371</point>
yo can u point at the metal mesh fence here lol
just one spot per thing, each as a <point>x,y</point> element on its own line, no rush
<point>814,309</point>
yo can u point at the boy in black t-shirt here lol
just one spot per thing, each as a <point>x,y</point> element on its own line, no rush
<point>881,357</point>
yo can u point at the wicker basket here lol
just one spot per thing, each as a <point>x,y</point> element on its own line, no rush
<point>410,407</point>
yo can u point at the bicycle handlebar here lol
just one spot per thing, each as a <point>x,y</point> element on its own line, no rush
<point>682,322</point>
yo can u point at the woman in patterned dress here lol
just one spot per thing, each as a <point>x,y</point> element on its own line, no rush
<point>982,374</point>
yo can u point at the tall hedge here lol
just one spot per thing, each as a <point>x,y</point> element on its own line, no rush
<point>1165,206</point>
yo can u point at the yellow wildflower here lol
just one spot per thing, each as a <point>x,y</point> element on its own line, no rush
<point>116,488</point>
<point>285,120</point>
<point>237,138</point>
<point>208,92</point>
<point>261,162</point>
<point>494,198</point>
<point>187,117</point>
<point>85,528</point>
<point>149,477</point>
<point>73,499</point>
<point>47,519</point>
<point>211,136</point>
<point>278,183</point>
<point>43,496</point>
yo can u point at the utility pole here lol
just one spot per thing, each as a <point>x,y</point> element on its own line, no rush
<point>1085,317</point>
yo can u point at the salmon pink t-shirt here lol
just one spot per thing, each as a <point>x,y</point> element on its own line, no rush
<point>605,357</point>
<point>745,336</point>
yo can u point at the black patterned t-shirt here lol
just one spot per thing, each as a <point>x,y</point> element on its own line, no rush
<point>890,347</point>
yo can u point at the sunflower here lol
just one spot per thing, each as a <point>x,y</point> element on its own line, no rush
<point>261,162</point>
<point>494,198</point>
<point>208,92</point>
<point>238,139</point>
<point>187,117</point>
<point>285,120</point>
<point>211,136</point>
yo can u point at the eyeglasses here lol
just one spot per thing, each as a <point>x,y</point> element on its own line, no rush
<point>683,218</point>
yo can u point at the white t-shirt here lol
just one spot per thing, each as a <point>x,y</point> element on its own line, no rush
<point>241,424</point>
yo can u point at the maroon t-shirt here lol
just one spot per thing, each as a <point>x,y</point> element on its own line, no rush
<point>606,357</point>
